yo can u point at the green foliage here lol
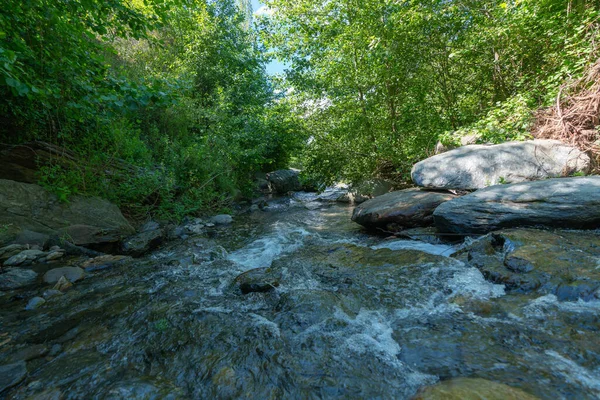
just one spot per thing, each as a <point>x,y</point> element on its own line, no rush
<point>377,83</point>
<point>508,121</point>
<point>166,103</point>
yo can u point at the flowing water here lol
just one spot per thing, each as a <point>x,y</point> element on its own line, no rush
<point>349,316</point>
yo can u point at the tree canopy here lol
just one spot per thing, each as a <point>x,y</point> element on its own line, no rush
<point>178,88</point>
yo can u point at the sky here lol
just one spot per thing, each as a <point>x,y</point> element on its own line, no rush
<point>274,67</point>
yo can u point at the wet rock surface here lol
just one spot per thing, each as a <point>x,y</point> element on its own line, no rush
<point>258,280</point>
<point>14,278</point>
<point>143,242</point>
<point>479,166</point>
<point>562,263</point>
<point>11,375</point>
<point>402,209</point>
<point>85,220</point>
<point>572,203</point>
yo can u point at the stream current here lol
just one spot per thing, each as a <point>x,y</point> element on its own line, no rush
<point>347,316</point>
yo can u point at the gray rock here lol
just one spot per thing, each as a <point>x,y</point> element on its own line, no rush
<point>84,220</point>
<point>73,274</point>
<point>24,257</point>
<point>32,238</point>
<point>35,303</point>
<point>223,219</point>
<point>402,209</point>
<point>55,255</point>
<point>15,278</point>
<point>561,203</point>
<point>284,180</point>
<point>11,250</point>
<point>12,374</point>
<point>143,242</point>
<point>480,166</point>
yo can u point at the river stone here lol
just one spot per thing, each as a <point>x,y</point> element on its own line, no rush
<point>223,219</point>
<point>143,242</point>
<point>472,389</point>
<point>15,278</point>
<point>284,180</point>
<point>83,220</point>
<point>479,166</point>
<point>55,255</point>
<point>258,280</point>
<point>402,209</point>
<point>12,374</point>
<point>11,250</point>
<point>572,203</point>
<point>35,303</point>
<point>24,257</point>
<point>562,263</point>
<point>73,274</point>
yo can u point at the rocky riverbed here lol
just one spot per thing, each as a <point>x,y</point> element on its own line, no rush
<point>293,300</point>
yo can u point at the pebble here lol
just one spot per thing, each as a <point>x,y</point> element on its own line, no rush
<point>35,303</point>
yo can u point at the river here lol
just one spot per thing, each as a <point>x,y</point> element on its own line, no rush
<point>331,313</point>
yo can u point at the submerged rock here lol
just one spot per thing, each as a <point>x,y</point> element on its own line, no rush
<point>572,203</point>
<point>472,389</point>
<point>15,278</point>
<point>562,263</point>
<point>223,219</point>
<point>73,274</point>
<point>35,303</point>
<point>479,166</point>
<point>402,209</point>
<point>258,280</point>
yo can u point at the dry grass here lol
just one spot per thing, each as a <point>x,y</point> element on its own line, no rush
<point>575,116</point>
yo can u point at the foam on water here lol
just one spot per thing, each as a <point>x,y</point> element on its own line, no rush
<point>437,249</point>
<point>370,333</point>
<point>285,238</point>
<point>471,283</point>
<point>271,326</point>
<point>543,305</point>
<point>573,372</point>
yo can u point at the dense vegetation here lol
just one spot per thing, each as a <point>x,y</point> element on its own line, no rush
<point>178,90</point>
<point>379,82</point>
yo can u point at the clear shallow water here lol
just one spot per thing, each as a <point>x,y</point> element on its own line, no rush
<point>352,316</point>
